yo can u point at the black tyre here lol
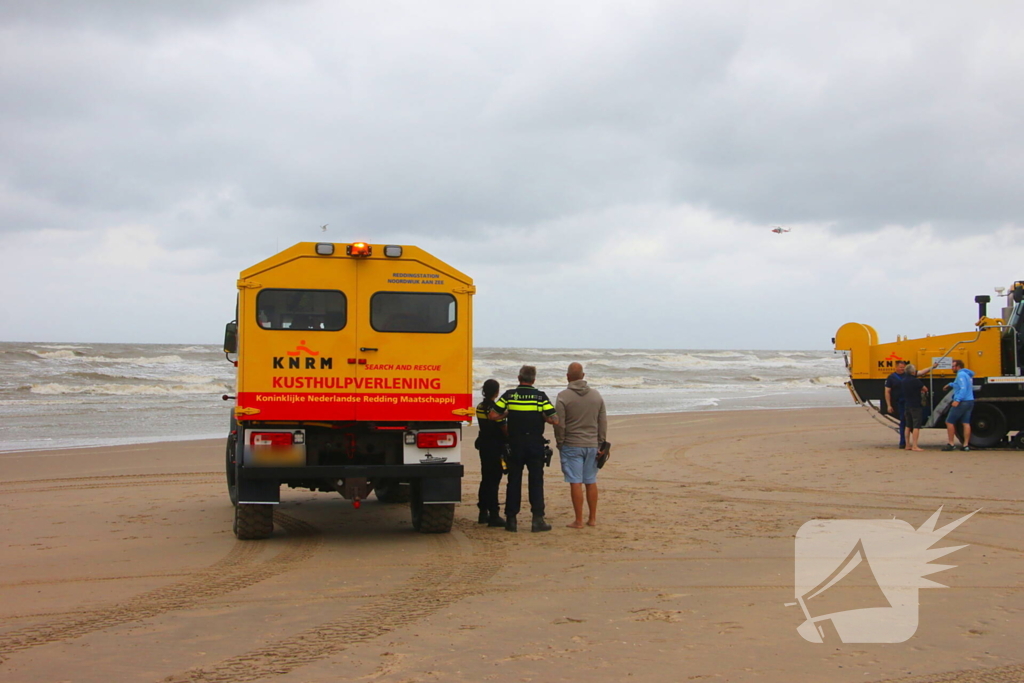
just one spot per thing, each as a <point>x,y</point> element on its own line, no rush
<point>1018,441</point>
<point>391,491</point>
<point>988,426</point>
<point>253,522</point>
<point>231,470</point>
<point>432,518</point>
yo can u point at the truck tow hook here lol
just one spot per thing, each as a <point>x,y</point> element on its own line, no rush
<point>356,503</point>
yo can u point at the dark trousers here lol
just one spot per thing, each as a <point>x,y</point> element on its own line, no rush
<point>901,410</point>
<point>490,472</point>
<point>531,456</point>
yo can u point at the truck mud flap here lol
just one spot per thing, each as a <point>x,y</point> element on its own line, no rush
<point>441,490</point>
<point>260,491</point>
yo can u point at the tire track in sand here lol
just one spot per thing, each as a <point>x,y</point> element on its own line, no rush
<point>1012,673</point>
<point>109,481</point>
<point>237,570</point>
<point>447,576</point>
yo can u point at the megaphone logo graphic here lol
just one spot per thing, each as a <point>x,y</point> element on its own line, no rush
<point>860,578</point>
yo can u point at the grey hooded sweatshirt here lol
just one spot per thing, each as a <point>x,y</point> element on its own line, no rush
<point>582,421</point>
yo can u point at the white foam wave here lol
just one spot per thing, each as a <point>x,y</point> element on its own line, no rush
<point>191,379</point>
<point>814,382</point>
<point>722,354</point>
<point>61,354</point>
<point>67,354</point>
<point>56,389</point>
<point>198,349</point>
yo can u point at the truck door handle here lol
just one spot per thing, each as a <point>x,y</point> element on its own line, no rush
<point>366,348</point>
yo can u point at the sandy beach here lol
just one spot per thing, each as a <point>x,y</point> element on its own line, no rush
<point>119,564</point>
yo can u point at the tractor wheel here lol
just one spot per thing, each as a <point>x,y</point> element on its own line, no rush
<point>988,426</point>
<point>253,521</point>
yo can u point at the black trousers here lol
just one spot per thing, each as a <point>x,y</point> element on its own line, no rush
<point>490,472</point>
<point>530,456</point>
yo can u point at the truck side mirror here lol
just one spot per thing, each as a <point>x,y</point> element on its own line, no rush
<point>231,337</point>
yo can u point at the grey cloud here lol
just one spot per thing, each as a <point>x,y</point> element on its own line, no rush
<point>125,17</point>
<point>258,123</point>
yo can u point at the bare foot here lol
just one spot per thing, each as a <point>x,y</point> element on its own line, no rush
<point>575,525</point>
<point>918,450</point>
<point>591,522</point>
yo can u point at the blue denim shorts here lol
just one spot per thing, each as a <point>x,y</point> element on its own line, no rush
<point>960,413</point>
<point>579,465</point>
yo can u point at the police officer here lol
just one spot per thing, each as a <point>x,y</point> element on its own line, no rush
<point>491,444</point>
<point>527,410</point>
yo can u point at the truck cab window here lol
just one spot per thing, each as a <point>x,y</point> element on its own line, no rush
<point>413,312</point>
<point>301,309</point>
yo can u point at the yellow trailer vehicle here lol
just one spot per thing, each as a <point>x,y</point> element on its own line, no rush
<point>354,375</point>
<point>993,351</point>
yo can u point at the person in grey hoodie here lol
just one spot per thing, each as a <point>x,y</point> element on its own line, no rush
<point>581,429</point>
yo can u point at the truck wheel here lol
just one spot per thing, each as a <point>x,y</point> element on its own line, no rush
<point>391,491</point>
<point>988,426</point>
<point>253,522</point>
<point>435,518</point>
<point>232,471</point>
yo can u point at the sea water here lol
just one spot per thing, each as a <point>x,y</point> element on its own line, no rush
<point>68,395</point>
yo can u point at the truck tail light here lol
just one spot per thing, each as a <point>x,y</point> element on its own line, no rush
<point>272,439</point>
<point>358,249</point>
<point>436,440</point>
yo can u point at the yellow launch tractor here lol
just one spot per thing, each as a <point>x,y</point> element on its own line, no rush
<point>993,351</point>
<point>355,366</point>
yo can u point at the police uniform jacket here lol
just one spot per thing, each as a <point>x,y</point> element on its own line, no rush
<point>527,407</point>
<point>491,433</point>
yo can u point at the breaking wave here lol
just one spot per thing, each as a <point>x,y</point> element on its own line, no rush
<point>56,389</point>
<point>70,354</point>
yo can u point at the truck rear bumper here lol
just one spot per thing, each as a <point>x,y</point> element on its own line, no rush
<point>440,483</point>
<point>401,472</point>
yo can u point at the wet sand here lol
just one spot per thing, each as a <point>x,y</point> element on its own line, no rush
<point>119,564</point>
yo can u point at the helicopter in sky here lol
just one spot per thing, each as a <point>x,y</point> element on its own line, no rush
<point>778,229</point>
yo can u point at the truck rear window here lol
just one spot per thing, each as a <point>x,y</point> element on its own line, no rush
<point>301,309</point>
<point>412,312</point>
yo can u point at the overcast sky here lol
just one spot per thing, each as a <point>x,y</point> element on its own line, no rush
<point>608,172</point>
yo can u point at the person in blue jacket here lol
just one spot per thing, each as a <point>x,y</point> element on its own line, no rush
<point>962,407</point>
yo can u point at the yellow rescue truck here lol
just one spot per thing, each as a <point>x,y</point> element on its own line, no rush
<point>993,351</point>
<point>354,375</point>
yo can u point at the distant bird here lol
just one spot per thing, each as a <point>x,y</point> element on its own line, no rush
<point>323,228</point>
<point>778,229</point>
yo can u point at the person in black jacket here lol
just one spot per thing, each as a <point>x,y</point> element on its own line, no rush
<point>527,410</point>
<point>491,444</point>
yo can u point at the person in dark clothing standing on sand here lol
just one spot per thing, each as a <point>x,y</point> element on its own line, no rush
<point>894,398</point>
<point>912,388</point>
<point>527,410</point>
<point>491,444</point>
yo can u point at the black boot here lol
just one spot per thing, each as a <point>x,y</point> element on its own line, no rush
<point>539,524</point>
<point>510,523</point>
<point>495,520</point>
<point>483,518</point>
